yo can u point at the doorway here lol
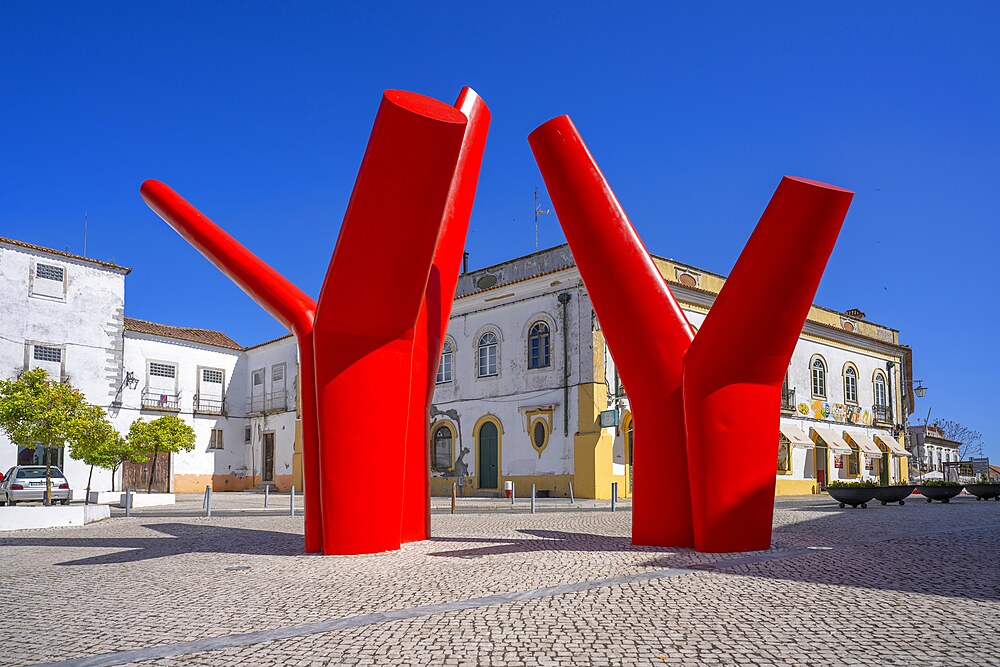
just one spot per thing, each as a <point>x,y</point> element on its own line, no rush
<point>820,468</point>
<point>488,459</point>
<point>268,472</point>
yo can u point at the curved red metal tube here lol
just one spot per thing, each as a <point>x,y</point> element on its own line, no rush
<point>367,312</point>
<point>279,297</point>
<point>644,327</point>
<point>735,367</point>
<point>435,311</point>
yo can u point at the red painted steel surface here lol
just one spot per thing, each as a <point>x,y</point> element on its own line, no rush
<point>367,313</point>
<point>435,311</point>
<point>279,297</point>
<point>644,327</point>
<point>705,410</point>
<point>735,367</point>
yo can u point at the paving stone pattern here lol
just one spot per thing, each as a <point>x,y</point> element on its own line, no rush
<point>912,585</point>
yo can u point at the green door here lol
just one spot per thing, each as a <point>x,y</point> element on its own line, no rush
<point>884,470</point>
<point>488,456</point>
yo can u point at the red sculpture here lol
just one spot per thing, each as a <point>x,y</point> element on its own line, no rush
<point>418,175</point>
<point>714,401</point>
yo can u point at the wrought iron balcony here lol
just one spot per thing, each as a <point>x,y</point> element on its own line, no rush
<point>882,413</point>
<point>210,405</point>
<point>277,401</point>
<point>788,400</point>
<point>160,400</point>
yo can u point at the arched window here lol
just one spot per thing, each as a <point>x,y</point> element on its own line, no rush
<point>850,385</point>
<point>443,449</point>
<point>447,356</point>
<point>538,345</point>
<point>818,378</point>
<point>487,354</point>
<point>881,396</point>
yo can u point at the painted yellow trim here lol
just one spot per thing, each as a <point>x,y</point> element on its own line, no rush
<point>544,416</point>
<point>626,426</point>
<point>593,449</point>
<point>454,437</point>
<point>783,441</point>
<point>475,437</point>
<point>795,487</point>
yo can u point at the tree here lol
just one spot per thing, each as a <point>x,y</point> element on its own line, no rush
<point>166,434</point>
<point>99,444</point>
<point>971,440</point>
<point>36,411</point>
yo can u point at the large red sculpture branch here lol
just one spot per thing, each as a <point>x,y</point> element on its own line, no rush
<point>357,347</point>
<point>705,406</point>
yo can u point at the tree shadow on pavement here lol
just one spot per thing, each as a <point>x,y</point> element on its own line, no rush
<point>178,538</point>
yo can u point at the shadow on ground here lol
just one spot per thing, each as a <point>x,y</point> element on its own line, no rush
<point>183,538</point>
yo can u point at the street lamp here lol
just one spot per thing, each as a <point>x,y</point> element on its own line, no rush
<point>920,390</point>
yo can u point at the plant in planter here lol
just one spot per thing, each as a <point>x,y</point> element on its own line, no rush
<point>852,493</point>
<point>939,489</point>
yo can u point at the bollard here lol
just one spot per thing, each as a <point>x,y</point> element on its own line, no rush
<point>532,498</point>
<point>208,501</point>
<point>204,499</point>
<point>614,495</point>
<point>128,503</point>
<point>571,493</point>
<point>291,501</point>
<point>513,492</point>
<point>267,491</point>
<point>454,497</point>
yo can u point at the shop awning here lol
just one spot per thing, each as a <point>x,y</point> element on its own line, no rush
<point>886,439</point>
<point>830,438</point>
<point>863,441</point>
<point>795,435</point>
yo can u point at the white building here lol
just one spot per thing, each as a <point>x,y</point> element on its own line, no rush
<point>526,377</point>
<point>66,314</point>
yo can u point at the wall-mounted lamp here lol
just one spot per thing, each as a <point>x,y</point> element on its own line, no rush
<point>131,381</point>
<point>920,390</point>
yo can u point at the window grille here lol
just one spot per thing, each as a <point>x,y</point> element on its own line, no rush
<point>162,370</point>
<point>46,353</point>
<point>277,373</point>
<point>49,272</point>
<point>211,375</point>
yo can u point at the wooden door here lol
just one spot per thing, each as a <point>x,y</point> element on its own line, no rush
<point>136,475</point>
<point>269,457</point>
<point>488,456</point>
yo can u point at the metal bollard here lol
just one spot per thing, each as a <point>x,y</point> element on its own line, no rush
<point>291,501</point>
<point>267,491</point>
<point>208,501</point>
<point>454,497</point>
<point>128,503</point>
<point>513,492</point>
<point>532,498</point>
<point>614,495</point>
<point>571,493</point>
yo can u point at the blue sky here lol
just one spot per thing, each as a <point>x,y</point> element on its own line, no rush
<point>259,114</point>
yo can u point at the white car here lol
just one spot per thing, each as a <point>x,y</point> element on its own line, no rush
<point>27,483</point>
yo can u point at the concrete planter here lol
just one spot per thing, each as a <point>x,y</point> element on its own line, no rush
<point>894,494</point>
<point>147,499</point>
<point>104,497</point>
<point>853,496</point>
<point>25,518</point>
<point>984,491</point>
<point>942,493</point>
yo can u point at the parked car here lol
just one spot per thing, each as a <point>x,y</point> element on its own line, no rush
<point>27,483</point>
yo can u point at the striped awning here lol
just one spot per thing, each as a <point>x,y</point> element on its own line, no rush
<point>795,435</point>
<point>863,441</point>
<point>886,439</point>
<point>830,438</point>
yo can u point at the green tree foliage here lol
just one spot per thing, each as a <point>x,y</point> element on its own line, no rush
<point>36,411</point>
<point>99,444</point>
<point>166,434</point>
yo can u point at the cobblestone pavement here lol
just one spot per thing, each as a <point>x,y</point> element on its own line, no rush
<point>912,585</point>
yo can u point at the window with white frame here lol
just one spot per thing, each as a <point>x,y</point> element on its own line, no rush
<point>881,395</point>
<point>487,354</point>
<point>818,378</point>
<point>49,281</point>
<point>850,385</point>
<point>538,345</point>
<point>215,440</point>
<point>445,368</point>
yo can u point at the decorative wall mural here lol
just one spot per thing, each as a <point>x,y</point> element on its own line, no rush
<point>838,412</point>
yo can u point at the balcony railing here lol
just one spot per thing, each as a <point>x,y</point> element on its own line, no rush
<point>210,405</point>
<point>159,400</point>
<point>275,401</point>
<point>788,400</point>
<point>883,414</point>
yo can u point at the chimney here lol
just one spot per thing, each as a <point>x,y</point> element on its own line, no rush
<point>465,262</point>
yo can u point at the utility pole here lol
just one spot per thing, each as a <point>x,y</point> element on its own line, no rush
<point>538,212</point>
<point>84,233</point>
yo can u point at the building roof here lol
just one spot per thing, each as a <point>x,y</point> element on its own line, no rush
<point>268,342</point>
<point>203,336</point>
<point>60,253</point>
